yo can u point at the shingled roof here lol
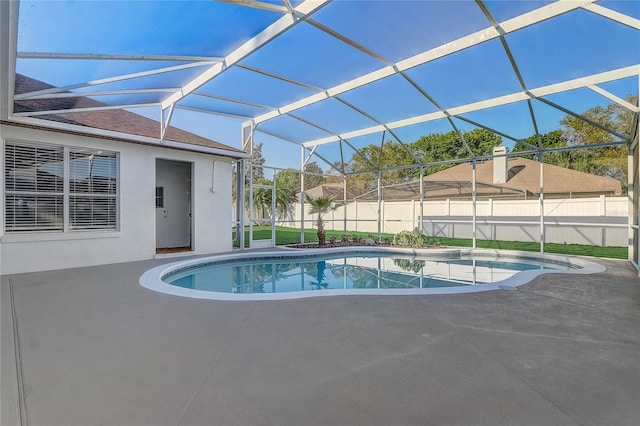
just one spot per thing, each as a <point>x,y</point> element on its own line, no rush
<point>523,180</point>
<point>115,120</point>
<point>332,189</point>
<point>524,175</point>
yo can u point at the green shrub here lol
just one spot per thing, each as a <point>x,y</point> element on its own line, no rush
<point>408,238</point>
<point>409,265</point>
<point>432,241</point>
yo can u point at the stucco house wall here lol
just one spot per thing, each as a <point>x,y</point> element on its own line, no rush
<point>135,238</point>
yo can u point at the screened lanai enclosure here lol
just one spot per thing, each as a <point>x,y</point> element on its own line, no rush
<point>495,120</point>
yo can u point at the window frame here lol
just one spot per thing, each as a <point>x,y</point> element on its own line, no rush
<point>67,194</point>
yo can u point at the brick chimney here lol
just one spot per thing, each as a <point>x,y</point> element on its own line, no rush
<point>500,164</point>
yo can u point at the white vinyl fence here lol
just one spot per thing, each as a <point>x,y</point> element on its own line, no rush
<point>600,221</point>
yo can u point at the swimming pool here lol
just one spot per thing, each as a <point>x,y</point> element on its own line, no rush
<point>285,274</point>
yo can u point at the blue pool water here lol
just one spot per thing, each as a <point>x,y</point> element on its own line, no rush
<point>348,271</point>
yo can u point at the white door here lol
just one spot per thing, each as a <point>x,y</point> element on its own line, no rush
<point>173,204</point>
<point>161,219</point>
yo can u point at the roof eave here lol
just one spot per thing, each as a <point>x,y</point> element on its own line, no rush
<point>40,124</point>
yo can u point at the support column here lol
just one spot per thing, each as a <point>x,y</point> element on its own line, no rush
<point>633,193</point>
<point>247,146</point>
<point>344,203</point>
<point>541,198</point>
<point>251,218</point>
<point>240,203</point>
<point>273,211</point>
<point>248,128</point>
<point>636,182</point>
<point>473,197</point>
<point>421,199</point>
<point>636,200</point>
<point>632,230</point>
<point>302,194</point>
<point>379,206</point>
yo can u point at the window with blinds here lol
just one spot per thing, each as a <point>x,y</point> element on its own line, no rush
<point>43,181</point>
<point>34,187</point>
<point>92,189</point>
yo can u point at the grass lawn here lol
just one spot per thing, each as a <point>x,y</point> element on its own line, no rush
<point>292,236</point>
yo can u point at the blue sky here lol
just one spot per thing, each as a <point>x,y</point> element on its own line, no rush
<point>576,44</point>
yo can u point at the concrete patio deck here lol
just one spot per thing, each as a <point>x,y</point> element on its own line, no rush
<point>95,348</point>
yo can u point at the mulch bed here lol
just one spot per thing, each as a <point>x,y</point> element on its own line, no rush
<point>338,244</point>
<point>355,244</point>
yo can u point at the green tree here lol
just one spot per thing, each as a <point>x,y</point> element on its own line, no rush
<point>449,146</point>
<point>371,158</point>
<point>313,176</point>
<point>320,205</point>
<point>482,141</point>
<point>581,160</point>
<point>430,148</point>
<point>605,161</point>
<point>285,199</point>
<point>261,198</point>
<point>288,178</point>
<point>254,167</point>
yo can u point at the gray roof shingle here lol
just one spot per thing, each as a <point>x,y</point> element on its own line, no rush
<point>115,120</point>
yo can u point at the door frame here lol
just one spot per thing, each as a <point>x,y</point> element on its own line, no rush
<point>190,203</point>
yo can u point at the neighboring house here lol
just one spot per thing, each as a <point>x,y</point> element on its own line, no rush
<point>333,189</point>
<point>517,178</point>
<point>97,187</point>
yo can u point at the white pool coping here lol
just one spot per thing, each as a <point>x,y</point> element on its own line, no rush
<point>152,279</point>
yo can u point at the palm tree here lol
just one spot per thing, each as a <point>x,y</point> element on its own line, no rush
<point>285,199</point>
<point>320,206</point>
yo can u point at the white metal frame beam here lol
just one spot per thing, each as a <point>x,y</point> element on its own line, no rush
<point>8,47</point>
<point>536,16</point>
<point>208,111</point>
<point>317,126</point>
<point>310,123</point>
<point>422,92</point>
<point>514,66</point>
<point>100,93</point>
<point>536,93</point>
<point>165,119</point>
<point>113,79</point>
<point>232,100</point>
<point>70,110</point>
<point>105,56</point>
<point>613,15</point>
<point>271,32</point>
<point>631,107</point>
<point>258,5</point>
<point>372,118</point>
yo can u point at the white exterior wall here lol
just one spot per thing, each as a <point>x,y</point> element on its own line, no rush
<point>136,237</point>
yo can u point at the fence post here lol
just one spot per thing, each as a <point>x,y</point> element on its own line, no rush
<point>355,204</point>
<point>413,214</point>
